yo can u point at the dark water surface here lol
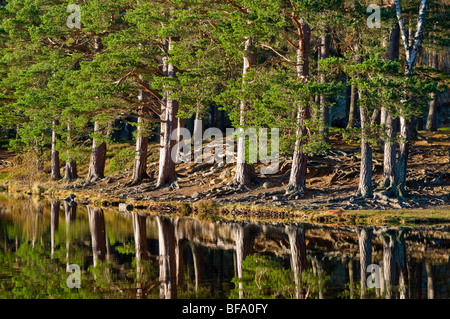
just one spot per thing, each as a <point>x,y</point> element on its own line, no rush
<point>49,248</point>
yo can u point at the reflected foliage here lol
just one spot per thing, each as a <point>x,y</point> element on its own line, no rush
<point>267,278</point>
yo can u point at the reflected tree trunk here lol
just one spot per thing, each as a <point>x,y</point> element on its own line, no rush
<point>98,234</point>
<point>54,224</point>
<point>395,264</point>
<point>220,272</point>
<point>167,262</point>
<point>297,244</point>
<point>318,271</point>
<point>179,250</point>
<point>140,244</point>
<point>430,280</point>
<point>388,238</point>
<point>199,268</point>
<point>365,255</point>
<point>244,237</point>
<point>351,276</point>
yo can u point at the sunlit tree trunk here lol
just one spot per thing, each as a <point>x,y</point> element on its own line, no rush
<point>140,159</point>
<point>297,178</point>
<point>411,50</point>
<point>98,158</point>
<point>365,177</point>
<point>169,110</point>
<point>244,171</point>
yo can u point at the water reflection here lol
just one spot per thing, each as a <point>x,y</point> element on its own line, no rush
<point>137,255</point>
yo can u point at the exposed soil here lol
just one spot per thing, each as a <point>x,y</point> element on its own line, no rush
<point>331,184</point>
<point>331,181</point>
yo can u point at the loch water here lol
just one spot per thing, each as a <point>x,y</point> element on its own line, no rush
<point>57,249</point>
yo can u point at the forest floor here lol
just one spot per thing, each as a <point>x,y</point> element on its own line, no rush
<point>332,182</point>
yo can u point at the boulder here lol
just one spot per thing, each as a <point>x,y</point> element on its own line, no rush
<point>267,185</point>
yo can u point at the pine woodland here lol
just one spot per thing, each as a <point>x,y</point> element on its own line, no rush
<point>159,67</point>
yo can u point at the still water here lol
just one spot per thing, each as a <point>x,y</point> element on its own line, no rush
<point>53,249</point>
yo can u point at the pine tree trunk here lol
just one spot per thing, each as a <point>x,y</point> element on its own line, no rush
<point>71,172</point>
<point>167,174</point>
<point>56,174</point>
<point>390,147</point>
<point>365,177</point>
<point>352,110</point>
<point>431,125</point>
<point>390,150</point>
<point>245,172</point>
<point>141,153</point>
<point>212,113</point>
<point>402,160</point>
<point>98,158</point>
<point>324,101</point>
<point>222,120</point>
<point>297,178</point>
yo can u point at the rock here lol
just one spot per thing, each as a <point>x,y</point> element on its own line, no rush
<point>124,207</point>
<point>221,165</point>
<point>215,181</point>
<point>267,185</point>
<point>200,167</point>
<point>225,174</point>
<point>70,198</point>
<point>277,198</point>
<point>195,195</point>
<point>106,203</point>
